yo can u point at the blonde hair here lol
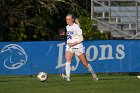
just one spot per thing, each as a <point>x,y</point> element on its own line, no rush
<point>77,21</point>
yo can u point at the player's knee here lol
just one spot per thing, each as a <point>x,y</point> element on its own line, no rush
<point>68,59</point>
<point>85,64</point>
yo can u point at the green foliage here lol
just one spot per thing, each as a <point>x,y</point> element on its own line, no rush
<point>25,20</point>
<point>30,20</point>
<point>90,31</point>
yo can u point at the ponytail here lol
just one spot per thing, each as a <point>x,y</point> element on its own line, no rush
<point>77,21</point>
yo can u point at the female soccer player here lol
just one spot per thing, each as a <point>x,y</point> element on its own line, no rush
<point>74,46</point>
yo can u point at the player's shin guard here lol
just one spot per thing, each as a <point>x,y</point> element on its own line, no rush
<point>68,69</point>
<point>90,69</point>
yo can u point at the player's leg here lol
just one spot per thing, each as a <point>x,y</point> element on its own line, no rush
<point>68,62</point>
<point>80,53</point>
<point>82,57</point>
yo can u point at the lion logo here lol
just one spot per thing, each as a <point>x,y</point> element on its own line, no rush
<point>15,56</point>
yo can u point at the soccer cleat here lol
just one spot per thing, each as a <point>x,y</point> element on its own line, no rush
<point>63,76</point>
<point>95,77</point>
<point>68,79</point>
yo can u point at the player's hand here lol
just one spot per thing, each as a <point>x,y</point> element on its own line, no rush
<point>72,44</point>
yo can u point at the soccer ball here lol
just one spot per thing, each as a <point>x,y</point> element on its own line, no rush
<point>42,76</point>
<point>138,77</point>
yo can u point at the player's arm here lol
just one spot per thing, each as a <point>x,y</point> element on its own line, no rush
<point>80,39</point>
<point>72,44</point>
<point>79,33</point>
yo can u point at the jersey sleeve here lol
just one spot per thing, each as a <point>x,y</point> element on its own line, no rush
<point>78,30</point>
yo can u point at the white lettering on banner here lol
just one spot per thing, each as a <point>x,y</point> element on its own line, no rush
<point>120,51</point>
<point>60,55</point>
<point>105,53</point>
<point>73,68</point>
<point>88,53</point>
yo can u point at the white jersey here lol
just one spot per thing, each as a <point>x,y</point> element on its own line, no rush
<point>73,33</point>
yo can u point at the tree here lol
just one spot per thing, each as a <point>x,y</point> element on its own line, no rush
<point>29,20</point>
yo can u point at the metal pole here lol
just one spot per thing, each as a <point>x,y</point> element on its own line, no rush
<point>136,18</point>
<point>109,3</point>
<point>92,8</point>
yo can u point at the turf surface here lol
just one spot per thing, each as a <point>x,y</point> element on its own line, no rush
<point>81,83</point>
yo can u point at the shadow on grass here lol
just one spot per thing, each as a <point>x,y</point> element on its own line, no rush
<point>5,81</point>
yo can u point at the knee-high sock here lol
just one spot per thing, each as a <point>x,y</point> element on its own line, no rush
<point>90,69</point>
<point>68,69</point>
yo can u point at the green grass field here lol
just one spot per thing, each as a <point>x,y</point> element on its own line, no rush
<point>80,83</point>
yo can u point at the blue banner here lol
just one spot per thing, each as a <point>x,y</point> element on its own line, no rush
<point>28,58</point>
